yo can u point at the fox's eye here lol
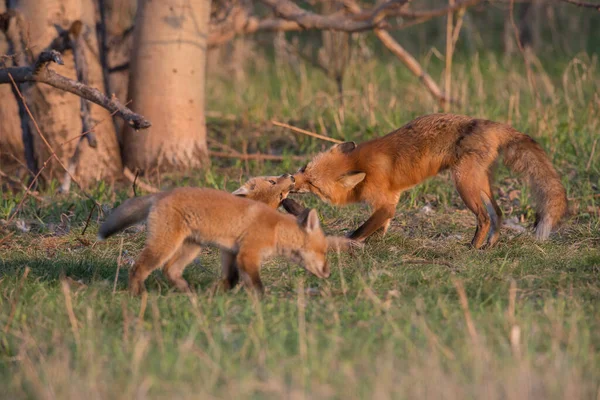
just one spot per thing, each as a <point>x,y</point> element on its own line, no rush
<point>272,182</point>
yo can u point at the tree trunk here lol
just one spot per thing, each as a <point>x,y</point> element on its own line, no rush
<point>11,142</point>
<point>119,21</point>
<point>167,82</point>
<point>58,113</point>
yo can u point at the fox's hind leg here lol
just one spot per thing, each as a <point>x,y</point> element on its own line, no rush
<point>473,186</point>
<point>248,262</point>
<point>494,212</point>
<point>230,274</point>
<point>161,245</point>
<point>173,269</point>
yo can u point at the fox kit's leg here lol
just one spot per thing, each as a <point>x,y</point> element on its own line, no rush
<point>230,275</point>
<point>248,262</point>
<point>173,269</point>
<point>474,188</point>
<point>381,218</point>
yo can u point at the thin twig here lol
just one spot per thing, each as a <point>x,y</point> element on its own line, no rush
<point>88,219</point>
<point>305,132</point>
<point>28,191</point>
<point>137,173</point>
<point>118,266</point>
<point>222,145</point>
<point>132,178</point>
<point>39,131</point>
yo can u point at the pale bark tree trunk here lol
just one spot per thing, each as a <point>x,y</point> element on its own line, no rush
<point>58,113</point>
<point>167,82</point>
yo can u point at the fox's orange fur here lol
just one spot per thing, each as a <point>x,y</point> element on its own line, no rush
<point>246,231</point>
<point>376,172</point>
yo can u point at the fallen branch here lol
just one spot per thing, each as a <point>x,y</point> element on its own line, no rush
<point>40,72</point>
<point>305,132</point>
<point>584,4</point>
<point>256,156</point>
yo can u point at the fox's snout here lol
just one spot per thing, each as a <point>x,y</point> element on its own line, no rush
<point>290,176</point>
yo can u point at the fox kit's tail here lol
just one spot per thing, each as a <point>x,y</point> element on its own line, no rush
<point>129,213</point>
<point>522,154</point>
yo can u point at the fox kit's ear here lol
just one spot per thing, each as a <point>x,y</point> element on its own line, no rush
<point>351,179</point>
<point>242,192</point>
<point>309,220</point>
<point>345,147</point>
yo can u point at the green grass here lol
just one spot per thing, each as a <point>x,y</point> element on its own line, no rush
<point>390,322</point>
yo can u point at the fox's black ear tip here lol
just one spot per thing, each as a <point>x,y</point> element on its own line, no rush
<point>346,147</point>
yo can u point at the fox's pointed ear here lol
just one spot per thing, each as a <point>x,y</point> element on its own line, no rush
<point>309,220</point>
<point>242,192</point>
<point>352,179</point>
<point>345,147</point>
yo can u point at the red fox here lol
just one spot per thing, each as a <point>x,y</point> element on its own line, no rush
<point>247,232</point>
<point>376,172</point>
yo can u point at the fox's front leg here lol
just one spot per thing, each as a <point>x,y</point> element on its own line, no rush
<point>381,218</point>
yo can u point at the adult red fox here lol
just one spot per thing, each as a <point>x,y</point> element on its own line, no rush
<point>376,172</point>
<point>247,231</point>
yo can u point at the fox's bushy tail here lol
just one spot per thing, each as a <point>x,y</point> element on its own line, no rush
<point>523,155</point>
<point>129,213</point>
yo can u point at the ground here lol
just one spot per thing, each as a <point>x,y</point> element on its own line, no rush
<point>416,314</point>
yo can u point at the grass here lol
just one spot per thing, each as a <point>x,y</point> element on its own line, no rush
<point>417,314</point>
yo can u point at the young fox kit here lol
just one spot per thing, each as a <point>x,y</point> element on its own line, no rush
<point>247,232</point>
<point>270,190</point>
<point>376,172</point>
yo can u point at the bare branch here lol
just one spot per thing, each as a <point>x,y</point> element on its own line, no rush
<point>40,73</point>
<point>584,4</point>
<point>438,12</point>
<point>338,21</point>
